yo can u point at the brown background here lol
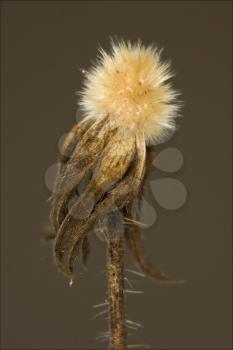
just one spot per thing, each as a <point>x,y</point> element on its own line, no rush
<point>43,46</point>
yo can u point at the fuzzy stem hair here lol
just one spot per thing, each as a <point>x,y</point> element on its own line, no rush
<point>115,271</point>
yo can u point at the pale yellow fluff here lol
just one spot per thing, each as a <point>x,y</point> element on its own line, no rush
<point>130,86</point>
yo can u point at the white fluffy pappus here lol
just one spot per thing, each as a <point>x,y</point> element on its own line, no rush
<point>130,85</point>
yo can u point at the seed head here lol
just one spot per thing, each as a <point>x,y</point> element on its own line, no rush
<point>130,85</point>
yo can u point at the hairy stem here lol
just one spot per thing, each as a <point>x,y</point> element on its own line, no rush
<point>115,270</point>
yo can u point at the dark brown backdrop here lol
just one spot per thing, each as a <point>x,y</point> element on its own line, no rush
<point>43,46</point>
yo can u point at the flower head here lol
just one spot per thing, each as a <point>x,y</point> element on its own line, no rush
<point>130,85</point>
